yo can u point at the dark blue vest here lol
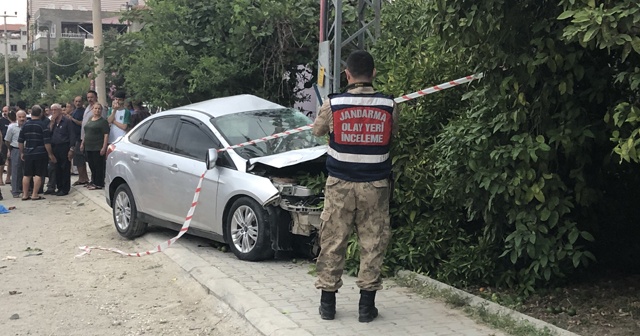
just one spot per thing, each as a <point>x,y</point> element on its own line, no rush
<point>361,139</point>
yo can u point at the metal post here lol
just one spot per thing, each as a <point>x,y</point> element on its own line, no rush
<point>337,45</point>
<point>49,56</point>
<point>97,46</point>
<point>367,30</point>
<point>6,58</point>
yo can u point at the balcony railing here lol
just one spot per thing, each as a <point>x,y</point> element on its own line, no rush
<point>12,36</point>
<point>77,35</point>
<point>44,35</point>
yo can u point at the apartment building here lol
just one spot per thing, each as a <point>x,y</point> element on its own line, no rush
<point>50,22</point>
<point>16,40</point>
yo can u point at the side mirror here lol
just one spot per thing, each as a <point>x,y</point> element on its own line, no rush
<point>212,157</point>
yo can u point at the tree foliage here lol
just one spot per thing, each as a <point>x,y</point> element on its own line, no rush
<point>514,185</point>
<point>613,27</point>
<point>192,51</point>
<point>70,59</point>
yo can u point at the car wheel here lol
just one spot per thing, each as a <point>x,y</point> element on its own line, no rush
<point>125,213</point>
<point>248,230</point>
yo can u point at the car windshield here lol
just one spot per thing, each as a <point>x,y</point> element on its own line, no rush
<point>246,126</point>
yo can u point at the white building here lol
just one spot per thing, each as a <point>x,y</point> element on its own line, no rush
<point>16,40</point>
<point>51,21</point>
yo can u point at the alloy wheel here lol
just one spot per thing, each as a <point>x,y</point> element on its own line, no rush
<point>244,229</point>
<point>122,210</point>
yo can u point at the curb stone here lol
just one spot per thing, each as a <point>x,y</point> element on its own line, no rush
<point>259,313</point>
<point>477,302</point>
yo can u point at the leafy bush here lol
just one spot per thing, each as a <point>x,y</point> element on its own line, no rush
<point>509,185</point>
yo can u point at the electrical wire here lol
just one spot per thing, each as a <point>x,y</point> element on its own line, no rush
<point>65,65</point>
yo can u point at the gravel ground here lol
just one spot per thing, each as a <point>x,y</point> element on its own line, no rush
<point>45,290</point>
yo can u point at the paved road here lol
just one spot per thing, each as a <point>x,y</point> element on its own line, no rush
<point>278,297</point>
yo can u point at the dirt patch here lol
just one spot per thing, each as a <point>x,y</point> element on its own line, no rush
<point>607,304</point>
<point>44,290</point>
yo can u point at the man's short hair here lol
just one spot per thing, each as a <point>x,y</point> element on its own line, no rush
<point>36,111</point>
<point>22,105</point>
<point>12,116</point>
<point>360,64</point>
<point>94,93</point>
<point>56,106</point>
<point>120,94</point>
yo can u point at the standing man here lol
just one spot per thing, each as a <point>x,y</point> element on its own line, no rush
<point>78,159</point>
<point>11,140</point>
<point>34,143</point>
<point>4,126</point>
<point>118,117</point>
<point>359,123</point>
<point>63,141</point>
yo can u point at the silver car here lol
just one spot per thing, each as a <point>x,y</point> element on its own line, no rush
<point>250,198</point>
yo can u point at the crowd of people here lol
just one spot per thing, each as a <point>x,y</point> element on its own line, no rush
<point>52,142</point>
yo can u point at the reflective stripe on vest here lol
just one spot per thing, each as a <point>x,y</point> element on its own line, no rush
<point>362,101</point>
<point>357,158</point>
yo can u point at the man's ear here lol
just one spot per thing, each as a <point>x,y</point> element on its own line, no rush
<point>374,74</point>
<point>346,71</point>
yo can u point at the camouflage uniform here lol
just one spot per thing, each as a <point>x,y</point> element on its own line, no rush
<point>363,205</point>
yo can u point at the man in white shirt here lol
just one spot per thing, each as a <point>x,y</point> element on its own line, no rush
<point>11,139</point>
<point>118,117</point>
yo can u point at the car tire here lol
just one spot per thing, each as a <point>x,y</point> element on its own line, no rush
<point>247,226</point>
<point>125,213</point>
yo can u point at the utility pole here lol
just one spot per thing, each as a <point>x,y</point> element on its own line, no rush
<point>100,79</point>
<point>6,57</point>
<point>49,56</point>
<point>46,26</point>
<point>336,43</point>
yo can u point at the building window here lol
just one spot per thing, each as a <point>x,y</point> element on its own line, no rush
<point>14,47</point>
<point>24,47</point>
<point>24,33</point>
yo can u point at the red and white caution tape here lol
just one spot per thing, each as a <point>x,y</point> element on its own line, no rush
<point>185,226</point>
<point>438,88</point>
<point>162,246</point>
<point>267,138</point>
<point>400,99</point>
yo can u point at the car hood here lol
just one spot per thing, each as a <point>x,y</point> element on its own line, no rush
<point>290,158</point>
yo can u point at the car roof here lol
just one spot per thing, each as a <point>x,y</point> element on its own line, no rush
<point>234,104</point>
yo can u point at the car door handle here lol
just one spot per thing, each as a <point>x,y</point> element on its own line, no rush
<point>134,158</point>
<point>174,168</point>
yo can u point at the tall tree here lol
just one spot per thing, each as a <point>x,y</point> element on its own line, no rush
<point>190,51</point>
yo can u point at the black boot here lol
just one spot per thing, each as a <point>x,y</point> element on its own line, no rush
<point>328,305</point>
<point>367,306</point>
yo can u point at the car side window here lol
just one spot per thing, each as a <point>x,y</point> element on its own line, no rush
<point>136,136</point>
<point>160,133</point>
<point>193,142</point>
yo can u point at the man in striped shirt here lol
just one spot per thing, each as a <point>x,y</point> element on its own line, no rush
<point>34,143</point>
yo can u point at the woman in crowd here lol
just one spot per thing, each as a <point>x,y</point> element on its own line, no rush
<point>94,144</point>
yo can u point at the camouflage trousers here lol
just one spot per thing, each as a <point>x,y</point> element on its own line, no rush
<point>348,205</point>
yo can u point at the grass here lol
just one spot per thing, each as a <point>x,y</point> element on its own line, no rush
<point>479,313</point>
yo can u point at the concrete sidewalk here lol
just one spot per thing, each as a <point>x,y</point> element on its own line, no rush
<point>278,297</point>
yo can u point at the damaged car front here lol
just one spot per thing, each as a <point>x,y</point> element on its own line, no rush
<point>293,164</point>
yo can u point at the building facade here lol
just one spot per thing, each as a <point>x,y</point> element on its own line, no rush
<point>51,22</point>
<point>16,40</point>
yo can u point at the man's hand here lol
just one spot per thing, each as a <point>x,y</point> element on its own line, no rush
<point>103,151</point>
<point>70,155</point>
<point>82,146</point>
<point>21,156</point>
<point>52,158</point>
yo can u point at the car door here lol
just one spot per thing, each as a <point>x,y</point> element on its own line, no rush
<point>186,166</point>
<point>149,166</point>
